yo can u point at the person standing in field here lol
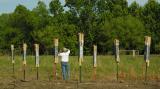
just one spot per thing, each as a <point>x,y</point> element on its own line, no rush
<point>64,63</point>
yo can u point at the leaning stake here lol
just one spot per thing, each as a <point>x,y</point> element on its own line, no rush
<point>147,54</point>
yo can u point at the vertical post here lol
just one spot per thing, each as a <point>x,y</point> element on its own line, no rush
<point>116,43</point>
<point>37,58</point>
<point>81,44</point>
<point>134,53</point>
<point>147,54</point>
<point>55,57</point>
<point>24,60</point>
<point>94,61</point>
<point>12,56</point>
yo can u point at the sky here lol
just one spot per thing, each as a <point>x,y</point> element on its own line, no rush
<point>7,6</point>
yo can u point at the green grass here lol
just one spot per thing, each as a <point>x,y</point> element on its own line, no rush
<point>129,68</point>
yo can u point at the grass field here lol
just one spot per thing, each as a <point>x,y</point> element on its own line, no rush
<point>130,68</point>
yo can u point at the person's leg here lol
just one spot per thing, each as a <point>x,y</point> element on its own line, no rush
<point>63,70</point>
<point>68,71</point>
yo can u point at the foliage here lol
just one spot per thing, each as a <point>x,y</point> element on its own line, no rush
<point>128,29</point>
<point>101,21</point>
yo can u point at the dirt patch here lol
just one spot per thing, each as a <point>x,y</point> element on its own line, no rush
<point>45,84</point>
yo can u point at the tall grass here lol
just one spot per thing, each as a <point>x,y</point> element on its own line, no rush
<point>129,68</point>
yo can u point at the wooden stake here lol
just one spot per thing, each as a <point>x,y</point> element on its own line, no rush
<point>12,55</point>
<point>37,59</point>
<point>37,73</point>
<point>80,74</point>
<point>94,73</point>
<point>81,43</point>
<point>117,71</point>
<point>24,72</point>
<point>146,71</point>
<point>55,58</point>
<point>55,71</point>
<point>147,54</point>
<point>24,60</point>
<point>94,61</point>
<point>13,69</point>
<point>116,43</point>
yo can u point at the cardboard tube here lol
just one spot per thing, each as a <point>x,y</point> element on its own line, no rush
<point>37,54</point>
<point>147,40</point>
<point>116,42</point>
<point>12,47</point>
<point>24,53</point>
<point>56,42</point>
<point>95,55</point>
<point>56,50</point>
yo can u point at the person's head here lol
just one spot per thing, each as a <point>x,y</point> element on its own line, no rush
<point>64,49</point>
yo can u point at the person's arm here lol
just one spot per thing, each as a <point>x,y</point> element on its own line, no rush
<point>68,51</point>
<point>60,54</point>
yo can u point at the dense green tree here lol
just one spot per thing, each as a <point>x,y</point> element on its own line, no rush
<point>151,19</point>
<point>55,7</point>
<point>129,30</point>
<point>135,9</point>
<point>40,16</point>
<point>21,19</point>
<point>45,37</point>
<point>4,19</point>
<point>101,21</point>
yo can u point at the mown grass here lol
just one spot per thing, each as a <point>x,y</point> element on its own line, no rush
<point>130,68</point>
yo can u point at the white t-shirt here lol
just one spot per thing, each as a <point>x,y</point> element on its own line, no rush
<point>64,56</point>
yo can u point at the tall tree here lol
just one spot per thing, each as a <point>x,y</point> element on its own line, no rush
<point>40,16</point>
<point>129,30</point>
<point>135,9</point>
<point>151,13</point>
<point>21,19</point>
<point>55,7</point>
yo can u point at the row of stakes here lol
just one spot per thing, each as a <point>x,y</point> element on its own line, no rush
<point>80,59</point>
<point>24,59</point>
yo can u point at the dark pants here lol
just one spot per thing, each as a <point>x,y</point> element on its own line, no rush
<point>65,70</point>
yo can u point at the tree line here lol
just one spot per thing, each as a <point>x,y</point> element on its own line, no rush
<point>101,21</point>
